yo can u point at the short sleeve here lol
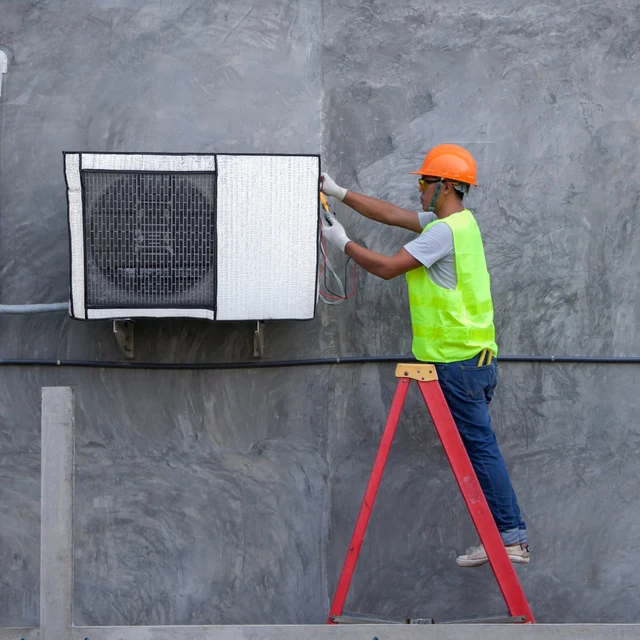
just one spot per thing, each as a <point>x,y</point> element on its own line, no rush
<point>433,245</point>
<point>425,217</point>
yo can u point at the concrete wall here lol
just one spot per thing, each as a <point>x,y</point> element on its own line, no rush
<point>229,497</point>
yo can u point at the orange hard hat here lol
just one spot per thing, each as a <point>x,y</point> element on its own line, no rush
<point>451,162</point>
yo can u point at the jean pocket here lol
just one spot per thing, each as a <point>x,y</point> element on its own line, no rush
<point>477,380</point>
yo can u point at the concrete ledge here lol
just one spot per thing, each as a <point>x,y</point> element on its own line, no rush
<point>19,633</point>
<point>350,632</point>
<point>363,632</point>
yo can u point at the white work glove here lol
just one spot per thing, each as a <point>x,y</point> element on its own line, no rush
<point>330,188</point>
<point>334,232</point>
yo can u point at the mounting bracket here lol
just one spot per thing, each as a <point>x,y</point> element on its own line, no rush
<point>124,335</point>
<point>258,340</point>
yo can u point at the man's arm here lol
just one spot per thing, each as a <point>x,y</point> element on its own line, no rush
<point>379,265</point>
<point>375,263</point>
<point>382,211</point>
<point>372,208</point>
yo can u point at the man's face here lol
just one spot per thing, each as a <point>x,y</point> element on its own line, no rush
<point>427,186</point>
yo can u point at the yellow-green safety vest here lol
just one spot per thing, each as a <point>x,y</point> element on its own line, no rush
<point>454,324</point>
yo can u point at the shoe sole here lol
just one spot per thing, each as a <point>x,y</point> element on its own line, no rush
<point>471,563</point>
<point>478,563</point>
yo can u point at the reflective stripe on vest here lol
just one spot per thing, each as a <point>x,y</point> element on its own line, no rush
<point>454,324</point>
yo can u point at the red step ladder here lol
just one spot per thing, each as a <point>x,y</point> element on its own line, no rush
<point>427,379</point>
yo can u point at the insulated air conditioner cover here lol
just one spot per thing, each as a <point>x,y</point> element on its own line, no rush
<point>217,236</point>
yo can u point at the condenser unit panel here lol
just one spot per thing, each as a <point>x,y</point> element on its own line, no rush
<point>267,225</point>
<point>217,236</point>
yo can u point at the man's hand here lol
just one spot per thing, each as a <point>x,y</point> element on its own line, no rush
<point>330,188</point>
<point>334,232</point>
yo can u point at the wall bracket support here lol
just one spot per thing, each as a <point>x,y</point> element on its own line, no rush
<point>258,340</point>
<point>124,335</point>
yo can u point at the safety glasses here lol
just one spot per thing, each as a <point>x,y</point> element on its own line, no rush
<point>424,183</point>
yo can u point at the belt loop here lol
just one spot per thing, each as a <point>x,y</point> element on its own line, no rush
<point>483,353</point>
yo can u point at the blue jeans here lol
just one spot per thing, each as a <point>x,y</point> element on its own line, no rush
<point>468,390</point>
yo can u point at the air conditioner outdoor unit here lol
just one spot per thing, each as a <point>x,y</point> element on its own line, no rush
<point>217,236</point>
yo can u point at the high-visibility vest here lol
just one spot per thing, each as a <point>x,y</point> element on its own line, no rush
<point>454,324</point>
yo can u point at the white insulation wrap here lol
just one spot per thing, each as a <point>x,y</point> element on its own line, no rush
<point>267,225</point>
<point>105,314</point>
<point>147,162</point>
<point>217,236</point>
<point>76,230</point>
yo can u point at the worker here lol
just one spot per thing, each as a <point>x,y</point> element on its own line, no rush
<point>451,315</point>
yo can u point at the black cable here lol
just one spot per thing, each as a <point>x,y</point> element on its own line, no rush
<point>326,286</point>
<point>573,359</point>
<point>271,364</point>
<point>346,294</point>
<point>324,275</point>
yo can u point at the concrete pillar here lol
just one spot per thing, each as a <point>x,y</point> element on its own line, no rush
<point>56,513</point>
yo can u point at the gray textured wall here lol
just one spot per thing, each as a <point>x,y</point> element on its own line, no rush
<point>229,497</point>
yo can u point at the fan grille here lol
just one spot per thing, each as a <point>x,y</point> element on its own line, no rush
<point>149,238</point>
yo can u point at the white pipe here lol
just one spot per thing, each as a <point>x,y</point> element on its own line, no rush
<point>3,67</point>
<point>33,308</point>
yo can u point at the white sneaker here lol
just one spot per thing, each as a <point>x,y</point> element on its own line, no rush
<point>477,556</point>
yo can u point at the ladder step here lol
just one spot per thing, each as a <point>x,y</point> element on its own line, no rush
<point>352,617</point>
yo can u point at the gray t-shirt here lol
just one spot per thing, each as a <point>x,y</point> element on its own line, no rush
<point>434,248</point>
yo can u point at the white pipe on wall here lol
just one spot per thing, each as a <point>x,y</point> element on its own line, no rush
<point>3,67</point>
